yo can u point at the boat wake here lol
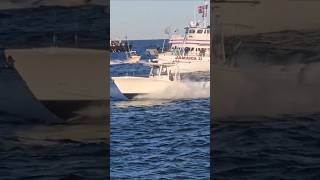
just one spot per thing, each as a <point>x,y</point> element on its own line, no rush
<point>93,111</point>
<point>116,62</point>
<point>267,90</point>
<point>185,90</point>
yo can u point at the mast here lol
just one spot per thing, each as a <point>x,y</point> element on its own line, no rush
<point>218,37</point>
<point>54,38</point>
<point>219,45</point>
<point>205,13</point>
<point>194,12</point>
<point>77,29</point>
<point>163,45</point>
<point>128,48</point>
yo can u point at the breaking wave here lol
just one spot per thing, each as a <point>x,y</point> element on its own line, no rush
<point>267,90</point>
<point>183,90</point>
<point>116,62</point>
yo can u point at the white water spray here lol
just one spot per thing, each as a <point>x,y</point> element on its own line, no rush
<point>266,90</point>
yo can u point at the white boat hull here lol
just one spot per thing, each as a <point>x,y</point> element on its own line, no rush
<point>63,73</point>
<point>135,86</point>
<point>63,76</point>
<point>187,64</point>
<point>16,100</point>
<point>133,59</point>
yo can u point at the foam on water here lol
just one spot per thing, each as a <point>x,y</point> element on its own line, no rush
<point>184,90</point>
<point>267,90</point>
<point>187,89</point>
<point>116,62</point>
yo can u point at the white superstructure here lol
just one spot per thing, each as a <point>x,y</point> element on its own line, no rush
<point>191,50</point>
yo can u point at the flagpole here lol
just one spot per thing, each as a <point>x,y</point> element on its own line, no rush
<point>194,12</point>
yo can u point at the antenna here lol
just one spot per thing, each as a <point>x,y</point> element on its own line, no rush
<point>54,38</point>
<point>128,51</point>
<point>194,11</point>
<point>163,45</point>
<point>166,31</point>
<point>128,43</point>
<point>77,29</point>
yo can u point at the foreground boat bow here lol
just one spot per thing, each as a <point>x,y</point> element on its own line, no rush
<point>63,78</point>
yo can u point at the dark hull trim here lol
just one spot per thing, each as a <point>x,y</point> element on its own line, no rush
<point>66,109</point>
<point>132,95</point>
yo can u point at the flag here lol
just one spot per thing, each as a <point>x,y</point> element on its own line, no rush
<point>200,9</point>
<point>204,10</point>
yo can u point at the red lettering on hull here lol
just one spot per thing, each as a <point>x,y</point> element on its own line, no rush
<point>187,58</point>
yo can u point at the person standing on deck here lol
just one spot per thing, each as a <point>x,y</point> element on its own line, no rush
<point>10,62</point>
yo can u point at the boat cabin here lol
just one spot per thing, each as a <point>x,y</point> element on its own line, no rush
<point>195,42</point>
<point>133,53</point>
<point>161,71</point>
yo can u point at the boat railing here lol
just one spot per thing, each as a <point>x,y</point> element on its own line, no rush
<point>135,75</point>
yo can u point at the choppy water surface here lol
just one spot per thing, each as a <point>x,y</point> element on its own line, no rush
<point>268,148</point>
<point>73,149</point>
<point>154,139</point>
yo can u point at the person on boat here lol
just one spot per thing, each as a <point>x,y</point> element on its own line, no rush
<point>202,52</point>
<point>186,50</point>
<point>10,62</point>
<point>170,76</point>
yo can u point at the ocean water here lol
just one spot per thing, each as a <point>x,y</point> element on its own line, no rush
<point>268,123</point>
<point>285,147</point>
<point>159,139</point>
<point>74,148</point>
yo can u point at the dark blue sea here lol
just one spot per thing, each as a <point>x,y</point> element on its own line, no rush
<point>159,139</point>
<point>267,148</point>
<point>71,149</point>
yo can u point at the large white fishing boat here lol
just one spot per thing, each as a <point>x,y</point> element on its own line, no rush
<point>162,76</point>
<point>191,50</point>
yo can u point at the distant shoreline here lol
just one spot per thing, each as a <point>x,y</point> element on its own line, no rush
<point>140,39</point>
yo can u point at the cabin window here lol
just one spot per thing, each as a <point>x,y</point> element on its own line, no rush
<point>191,31</point>
<point>200,31</point>
<point>164,71</point>
<point>208,31</point>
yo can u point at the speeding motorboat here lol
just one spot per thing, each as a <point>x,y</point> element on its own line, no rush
<point>132,57</point>
<point>161,77</point>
